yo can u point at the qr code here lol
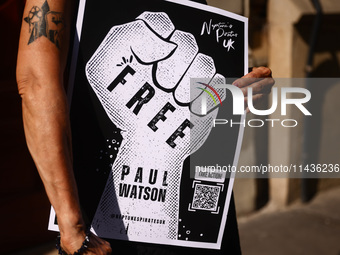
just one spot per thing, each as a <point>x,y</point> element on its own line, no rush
<point>205,197</point>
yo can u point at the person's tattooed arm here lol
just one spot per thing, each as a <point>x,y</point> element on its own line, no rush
<point>43,21</point>
<point>40,67</point>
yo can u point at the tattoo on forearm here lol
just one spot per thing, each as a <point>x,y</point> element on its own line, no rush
<point>43,22</point>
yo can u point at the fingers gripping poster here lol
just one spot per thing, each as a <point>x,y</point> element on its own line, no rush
<point>144,97</point>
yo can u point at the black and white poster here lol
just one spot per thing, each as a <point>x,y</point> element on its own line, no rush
<point>140,125</point>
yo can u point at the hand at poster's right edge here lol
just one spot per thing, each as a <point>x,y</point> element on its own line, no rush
<point>260,80</point>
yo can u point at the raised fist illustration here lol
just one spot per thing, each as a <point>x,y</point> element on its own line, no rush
<point>141,74</point>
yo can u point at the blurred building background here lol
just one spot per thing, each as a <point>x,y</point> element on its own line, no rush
<point>280,34</point>
<point>279,37</point>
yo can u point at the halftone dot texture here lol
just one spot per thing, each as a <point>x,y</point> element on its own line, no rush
<point>202,67</point>
<point>143,147</point>
<point>170,71</point>
<point>159,22</point>
<point>196,105</point>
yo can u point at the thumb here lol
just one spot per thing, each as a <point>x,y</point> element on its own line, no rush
<point>149,47</point>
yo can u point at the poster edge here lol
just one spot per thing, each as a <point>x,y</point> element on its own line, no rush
<point>238,145</point>
<point>81,11</point>
<point>75,50</point>
<point>51,225</point>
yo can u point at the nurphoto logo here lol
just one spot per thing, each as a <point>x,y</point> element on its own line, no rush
<point>239,104</point>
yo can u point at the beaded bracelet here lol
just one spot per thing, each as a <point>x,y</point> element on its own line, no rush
<point>83,247</point>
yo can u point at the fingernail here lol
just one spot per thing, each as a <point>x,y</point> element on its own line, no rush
<point>236,84</point>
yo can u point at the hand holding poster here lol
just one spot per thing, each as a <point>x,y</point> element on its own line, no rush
<point>137,81</point>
